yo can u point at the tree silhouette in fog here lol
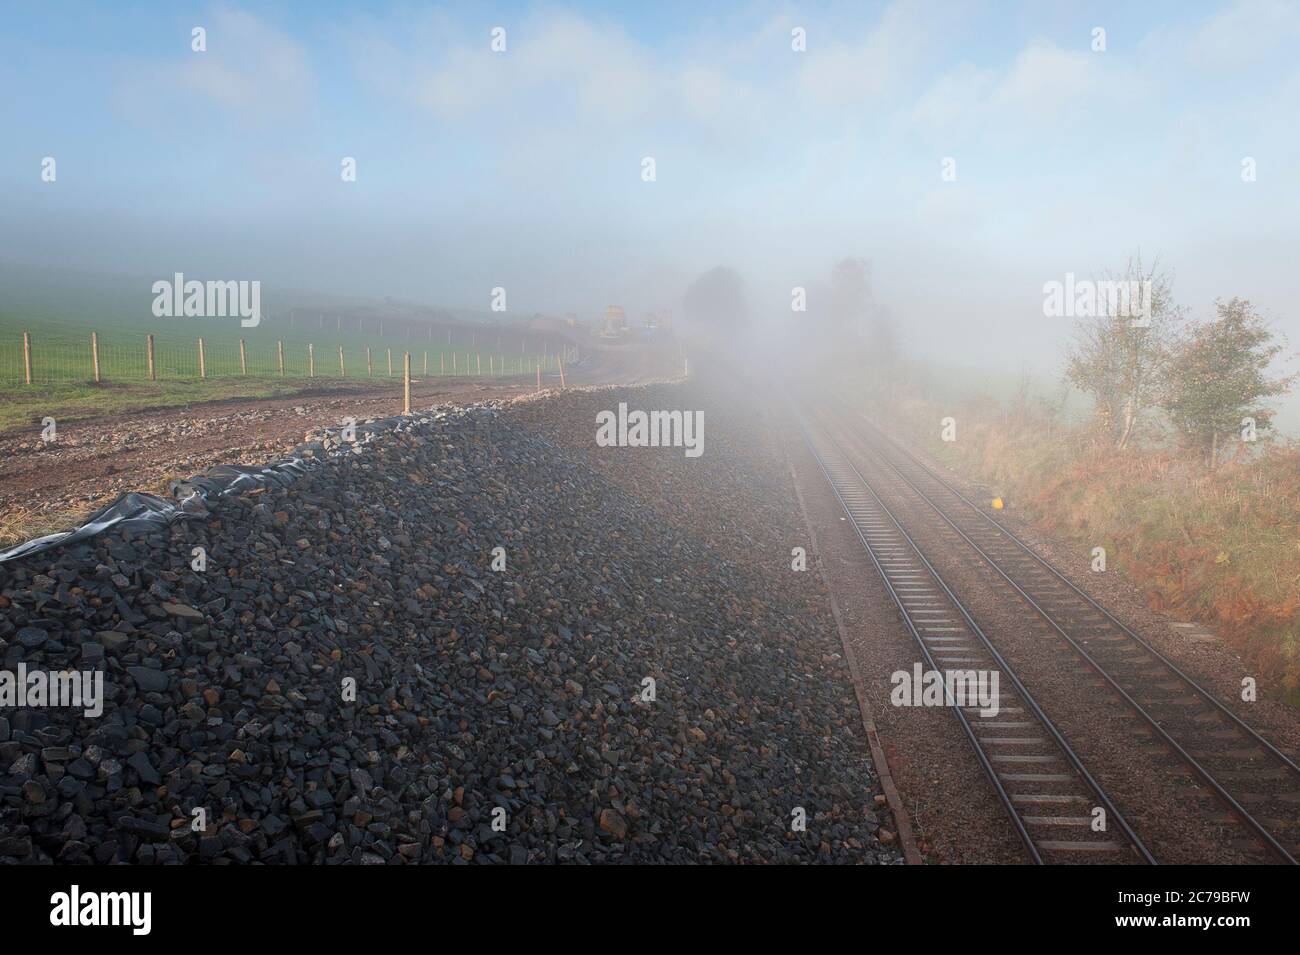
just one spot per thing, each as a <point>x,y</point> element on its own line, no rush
<point>854,312</point>
<point>716,302</point>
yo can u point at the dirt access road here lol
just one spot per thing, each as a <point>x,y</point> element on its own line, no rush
<point>49,487</point>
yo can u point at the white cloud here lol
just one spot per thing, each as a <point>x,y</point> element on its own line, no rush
<point>840,73</point>
<point>1045,94</point>
<point>464,81</point>
<point>558,56</point>
<point>713,96</point>
<point>1243,34</point>
<point>615,77</point>
<point>250,66</point>
<point>250,70</point>
<point>1046,79</point>
<point>954,102</point>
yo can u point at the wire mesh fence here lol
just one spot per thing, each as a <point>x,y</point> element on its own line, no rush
<point>29,358</point>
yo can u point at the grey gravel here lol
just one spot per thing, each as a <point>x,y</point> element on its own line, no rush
<point>476,690</point>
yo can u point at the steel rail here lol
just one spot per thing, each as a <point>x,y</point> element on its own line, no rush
<point>1070,756</point>
<point>1206,776</point>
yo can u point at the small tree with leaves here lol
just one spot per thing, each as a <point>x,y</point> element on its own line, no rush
<point>1118,361</point>
<point>1218,376</point>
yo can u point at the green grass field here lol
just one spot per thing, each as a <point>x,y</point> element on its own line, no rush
<point>61,351</point>
<point>63,382</point>
<point>59,312</point>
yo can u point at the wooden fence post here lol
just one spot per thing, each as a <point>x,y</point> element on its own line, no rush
<point>390,363</point>
<point>370,366</point>
<point>539,377</point>
<point>343,369</point>
<point>425,373</point>
<point>311,360</point>
<point>148,351</point>
<point>406,383</point>
<point>561,364</point>
<point>203,367</point>
<point>94,354</point>
<point>279,351</point>
<point>243,359</point>
<point>478,363</point>
<point>27,356</point>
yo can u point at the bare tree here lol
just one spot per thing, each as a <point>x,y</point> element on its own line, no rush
<point>1118,359</point>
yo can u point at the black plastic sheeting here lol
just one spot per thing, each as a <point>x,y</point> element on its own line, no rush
<point>136,510</point>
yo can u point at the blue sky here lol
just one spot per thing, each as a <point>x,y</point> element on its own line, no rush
<point>522,169</point>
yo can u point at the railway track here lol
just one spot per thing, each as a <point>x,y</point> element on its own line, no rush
<point>1257,784</point>
<point>1050,798</point>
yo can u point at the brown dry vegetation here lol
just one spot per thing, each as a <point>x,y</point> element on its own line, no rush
<point>1220,547</point>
